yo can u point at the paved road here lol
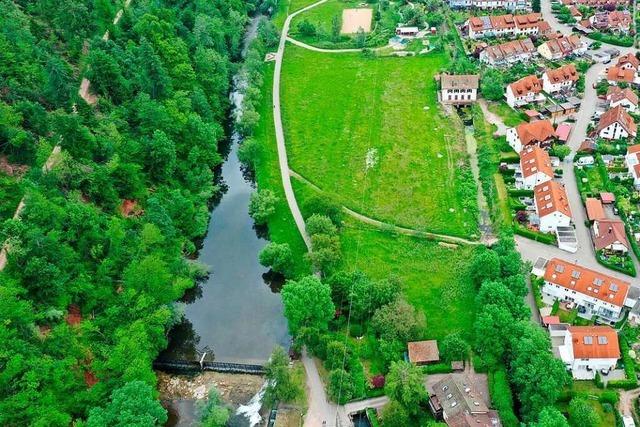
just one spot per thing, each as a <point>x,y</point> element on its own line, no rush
<point>492,118</point>
<point>585,254</point>
<point>320,409</point>
<point>277,121</point>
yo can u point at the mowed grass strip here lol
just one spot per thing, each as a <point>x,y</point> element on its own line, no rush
<point>342,111</point>
<point>282,227</point>
<point>435,278</point>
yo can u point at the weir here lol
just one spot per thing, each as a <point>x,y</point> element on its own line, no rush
<point>191,367</point>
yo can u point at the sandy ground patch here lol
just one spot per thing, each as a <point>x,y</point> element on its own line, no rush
<point>353,19</point>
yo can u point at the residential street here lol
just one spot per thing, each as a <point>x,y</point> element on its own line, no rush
<point>585,254</point>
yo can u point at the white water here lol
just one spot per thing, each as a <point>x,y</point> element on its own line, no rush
<point>251,411</point>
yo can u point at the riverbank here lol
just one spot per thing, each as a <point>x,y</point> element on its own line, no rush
<point>235,389</point>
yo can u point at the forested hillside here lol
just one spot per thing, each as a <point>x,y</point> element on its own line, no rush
<point>100,251</point>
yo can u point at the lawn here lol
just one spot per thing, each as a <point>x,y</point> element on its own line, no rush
<point>369,131</point>
<point>434,277</point>
<point>322,16</point>
<point>510,116</point>
<point>282,227</point>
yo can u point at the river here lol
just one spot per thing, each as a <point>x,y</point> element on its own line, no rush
<point>236,314</point>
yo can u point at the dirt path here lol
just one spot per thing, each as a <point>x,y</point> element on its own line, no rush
<point>277,122</point>
<point>625,405</point>
<point>492,118</point>
<point>388,226</point>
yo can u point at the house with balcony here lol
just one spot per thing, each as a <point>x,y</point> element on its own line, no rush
<point>560,79</point>
<point>593,293</point>
<point>527,90</point>
<point>552,206</point>
<point>535,167</point>
<point>540,133</point>
<point>610,236</point>
<point>616,124</point>
<point>585,350</point>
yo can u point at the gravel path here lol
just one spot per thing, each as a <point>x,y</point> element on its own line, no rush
<point>277,121</point>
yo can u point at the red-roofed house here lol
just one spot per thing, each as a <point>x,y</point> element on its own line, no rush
<point>552,206</point>
<point>616,123</point>
<point>625,97</point>
<point>560,79</point>
<point>585,350</point>
<point>629,62</point>
<point>563,131</point>
<point>595,293</point>
<point>595,210</point>
<point>610,236</point>
<point>535,165</point>
<point>524,91</point>
<point>617,74</point>
<point>540,133</point>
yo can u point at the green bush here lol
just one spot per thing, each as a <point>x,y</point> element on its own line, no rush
<point>438,368</point>
<point>501,397</point>
<point>548,239</point>
<point>521,193</point>
<point>610,397</point>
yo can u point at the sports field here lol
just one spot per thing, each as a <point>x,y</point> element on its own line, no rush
<point>371,133</point>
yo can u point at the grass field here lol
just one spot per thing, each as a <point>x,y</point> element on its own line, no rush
<point>282,227</point>
<point>434,277</point>
<point>510,116</point>
<point>370,132</point>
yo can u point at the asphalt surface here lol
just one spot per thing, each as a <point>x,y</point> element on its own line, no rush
<point>585,255</point>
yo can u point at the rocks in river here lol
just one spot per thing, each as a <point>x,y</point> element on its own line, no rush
<point>235,389</point>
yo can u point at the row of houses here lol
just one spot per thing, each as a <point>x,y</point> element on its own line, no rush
<point>562,46</point>
<point>531,24</point>
<point>528,90</point>
<point>598,4</point>
<point>510,5</point>
<point>557,47</point>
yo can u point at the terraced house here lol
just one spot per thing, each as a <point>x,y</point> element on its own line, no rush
<point>508,52</point>
<point>510,5</point>
<point>560,79</point>
<point>531,24</point>
<point>561,47</point>
<point>594,293</point>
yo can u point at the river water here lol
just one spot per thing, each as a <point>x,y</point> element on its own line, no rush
<point>236,314</point>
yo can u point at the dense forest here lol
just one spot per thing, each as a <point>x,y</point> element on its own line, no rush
<point>101,250</point>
